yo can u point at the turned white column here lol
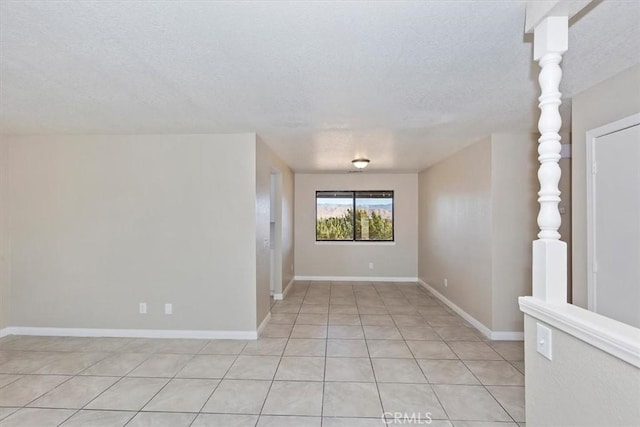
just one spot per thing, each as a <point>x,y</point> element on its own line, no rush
<point>549,253</point>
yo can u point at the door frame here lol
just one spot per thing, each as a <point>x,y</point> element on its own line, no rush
<point>275,227</point>
<point>591,137</point>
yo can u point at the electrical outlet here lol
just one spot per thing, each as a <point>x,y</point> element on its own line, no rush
<point>143,308</point>
<point>370,266</point>
<point>168,309</point>
<point>543,341</point>
<point>446,282</point>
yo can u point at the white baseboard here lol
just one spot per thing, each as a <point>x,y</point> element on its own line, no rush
<point>263,324</point>
<point>492,335</point>
<point>357,279</point>
<point>4,332</point>
<point>288,287</point>
<point>507,336</point>
<point>129,333</point>
<point>280,297</point>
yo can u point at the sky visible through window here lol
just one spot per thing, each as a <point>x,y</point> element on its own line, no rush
<point>349,201</point>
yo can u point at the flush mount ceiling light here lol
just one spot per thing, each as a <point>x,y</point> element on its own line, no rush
<point>360,163</point>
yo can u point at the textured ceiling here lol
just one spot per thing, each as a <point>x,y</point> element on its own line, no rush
<point>403,83</point>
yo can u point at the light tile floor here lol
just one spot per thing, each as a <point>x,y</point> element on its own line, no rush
<point>333,355</point>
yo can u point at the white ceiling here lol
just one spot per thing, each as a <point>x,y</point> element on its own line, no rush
<point>402,83</point>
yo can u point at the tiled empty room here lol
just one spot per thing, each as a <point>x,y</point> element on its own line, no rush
<point>319,213</point>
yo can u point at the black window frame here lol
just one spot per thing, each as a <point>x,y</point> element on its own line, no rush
<point>354,198</point>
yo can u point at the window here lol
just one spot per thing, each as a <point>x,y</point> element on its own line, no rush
<point>373,219</point>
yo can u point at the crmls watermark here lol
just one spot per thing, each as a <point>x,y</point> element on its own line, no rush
<point>406,418</point>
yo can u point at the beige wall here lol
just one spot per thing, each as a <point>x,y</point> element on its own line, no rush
<point>608,101</point>
<point>352,259</point>
<point>266,162</point>
<point>101,223</point>
<point>514,187</point>
<point>581,386</point>
<point>455,229</point>
<point>5,244</point>
<point>477,221</point>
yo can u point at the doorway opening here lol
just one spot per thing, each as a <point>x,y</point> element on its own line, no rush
<point>275,234</point>
<point>613,225</point>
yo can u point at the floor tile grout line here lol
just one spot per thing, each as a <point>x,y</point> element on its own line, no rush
<point>429,383</point>
<point>279,362</point>
<point>161,388</point>
<point>69,379</point>
<point>407,344</point>
<point>217,385</point>
<point>19,376</point>
<point>64,382</point>
<point>10,413</point>
<point>481,383</point>
<point>79,375</point>
<point>326,350</point>
<point>475,376</point>
<point>128,372</point>
<point>478,379</point>
<point>375,377</point>
<point>126,375</point>
<point>386,299</point>
<point>500,403</point>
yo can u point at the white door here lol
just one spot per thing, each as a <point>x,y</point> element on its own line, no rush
<point>616,225</point>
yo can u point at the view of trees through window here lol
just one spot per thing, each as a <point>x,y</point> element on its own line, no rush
<point>372,221</point>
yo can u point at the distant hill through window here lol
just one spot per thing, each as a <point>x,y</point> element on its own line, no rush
<point>335,220</point>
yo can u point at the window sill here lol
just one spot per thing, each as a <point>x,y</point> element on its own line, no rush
<point>354,243</point>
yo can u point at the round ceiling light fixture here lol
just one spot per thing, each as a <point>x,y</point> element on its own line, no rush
<point>360,163</point>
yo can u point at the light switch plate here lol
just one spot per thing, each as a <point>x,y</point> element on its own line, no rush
<point>543,341</point>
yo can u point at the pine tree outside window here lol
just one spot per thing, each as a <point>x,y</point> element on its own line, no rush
<point>354,216</point>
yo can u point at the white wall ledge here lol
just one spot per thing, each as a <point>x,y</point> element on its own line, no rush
<point>615,338</point>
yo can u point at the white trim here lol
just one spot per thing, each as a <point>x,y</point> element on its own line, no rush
<point>591,136</point>
<point>466,316</point>
<point>356,279</point>
<point>129,333</point>
<point>507,336</point>
<point>354,243</point>
<point>615,338</point>
<point>280,297</point>
<point>4,332</point>
<point>288,287</point>
<point>263,324</point>
<point>538,11</point>
<point>493,335</point>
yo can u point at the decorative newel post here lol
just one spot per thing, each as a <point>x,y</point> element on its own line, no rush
<point>549,253</point>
